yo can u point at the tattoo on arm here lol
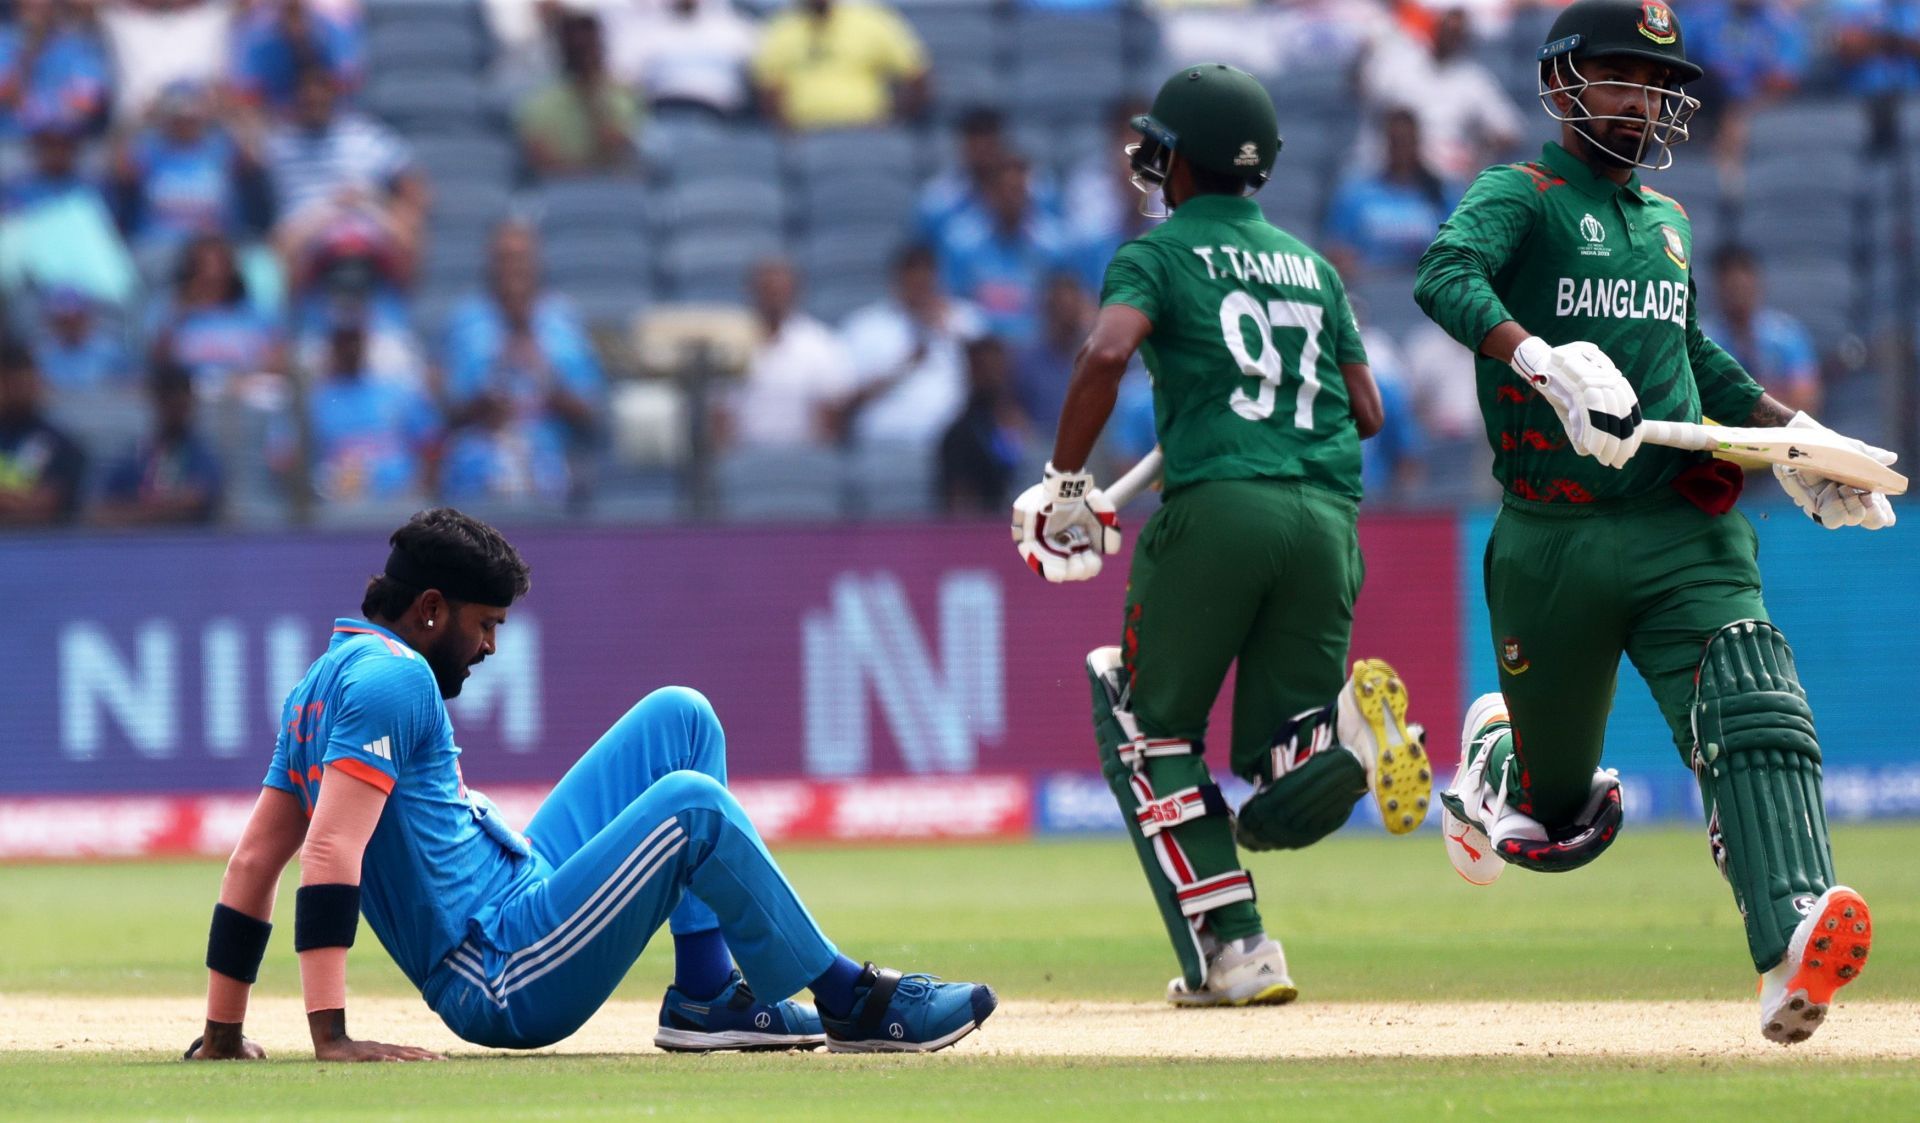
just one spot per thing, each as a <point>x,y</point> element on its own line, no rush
<point>1769,414</point>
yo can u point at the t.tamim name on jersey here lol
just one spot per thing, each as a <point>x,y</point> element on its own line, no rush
<point>1622,298</point>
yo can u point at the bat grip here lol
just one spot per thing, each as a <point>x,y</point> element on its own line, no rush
<point>1678,434</point>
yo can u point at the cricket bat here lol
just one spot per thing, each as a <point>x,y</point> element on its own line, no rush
<point>1138,478</point>
<point>1823,453</point>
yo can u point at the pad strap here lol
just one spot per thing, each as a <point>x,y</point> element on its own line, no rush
<point>1180,807</point>
<point>1136,752</point>
<point>325,916</point>
<point>236,943</point>
<point>1203,896</point>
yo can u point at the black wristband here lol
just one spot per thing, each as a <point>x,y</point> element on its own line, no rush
<point>325,916</point>
<point>236,943</point>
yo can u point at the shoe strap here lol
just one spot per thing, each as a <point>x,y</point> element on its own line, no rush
<point>879,997</point>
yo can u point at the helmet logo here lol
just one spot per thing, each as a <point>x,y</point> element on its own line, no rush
<point>1249,156</point>
<point>1656,23</point>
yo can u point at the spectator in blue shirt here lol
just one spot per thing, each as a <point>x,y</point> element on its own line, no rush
<point>280,39</point>
<point>1392,461</point>
<point>1383,221</point>
<point>370,437</point>
<point>210,327</point>
<point>1774,347</point>
<point>519,346</point>
<point>49,63</point>
<point>983,146</point>
<point>1878,45</point>
<point>498,456</point>
<point>53,140</point>
<point>172,476</point>
<point>185,175</point>
<point>1042,368</point>
<point>983,447</point>
<point>1753,51</point>
<point>998,255</point>
<point>74,349</point>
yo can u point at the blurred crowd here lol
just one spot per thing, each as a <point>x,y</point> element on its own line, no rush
<point>236,288</point>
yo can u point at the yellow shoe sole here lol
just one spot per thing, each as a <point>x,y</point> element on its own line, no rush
<point>1403,777</point>
<point>1277,995</point>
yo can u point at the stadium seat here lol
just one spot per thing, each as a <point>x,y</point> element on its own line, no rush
<point>467,204</point>
<point>763,485</point>
<point>958,87</point>
<point>592,204</point>
<point>707,150</point>
<point>958,34</point>
<point>1385,303</point>
<point>892,480</point>
<point>438,104</point>
<point>725,202</point>
<point>876,151</point>
<point>856,198</point>
<point>606,254</point>
<point>455,161</point>
<point>427,46</point>
<point>1062,90</point>
<point>608,303</point>
<point>1091,39</point>
<point>712,265</point>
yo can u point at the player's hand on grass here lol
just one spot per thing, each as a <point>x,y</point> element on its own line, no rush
<point>331,1043</point>
<point>223,1041</point>
<point>1596,403</point>
<point>348,1049</point>
<point>1834,505</point>
<point>1065,526</point>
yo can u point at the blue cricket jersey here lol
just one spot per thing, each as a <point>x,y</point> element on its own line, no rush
<point>370,707</point>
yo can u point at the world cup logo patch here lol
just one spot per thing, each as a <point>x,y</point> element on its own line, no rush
<point>1656,23</point>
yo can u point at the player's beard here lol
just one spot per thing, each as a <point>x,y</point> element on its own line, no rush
<point>448,665</point>
<point>1610,148</point>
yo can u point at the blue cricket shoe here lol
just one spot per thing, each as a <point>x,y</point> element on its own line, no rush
<point>895,1013</point>
<point>735,1020</point>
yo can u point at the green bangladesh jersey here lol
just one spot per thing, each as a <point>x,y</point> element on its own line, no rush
<point>1573,256</point>
<point>1249,330</point>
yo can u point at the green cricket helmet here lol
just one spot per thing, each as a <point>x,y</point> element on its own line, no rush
<point>1217,118</point>
<point>1644,29</point>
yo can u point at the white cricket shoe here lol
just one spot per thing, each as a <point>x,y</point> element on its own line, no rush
<point>1247,972</point>
<point>1469,803</point>
<point>1370,718</point>
<point>1827,951</point>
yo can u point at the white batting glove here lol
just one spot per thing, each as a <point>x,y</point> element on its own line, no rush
<point>1597,406</point>
<point>1834,505</point>
<point>1064,526</point>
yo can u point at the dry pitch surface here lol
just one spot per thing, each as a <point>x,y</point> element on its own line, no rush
<point>1667,1031</point>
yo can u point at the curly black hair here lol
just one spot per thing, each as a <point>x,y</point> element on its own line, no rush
<point>443,538</point>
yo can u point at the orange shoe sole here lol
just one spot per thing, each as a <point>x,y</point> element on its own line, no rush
<point>1836,949</point>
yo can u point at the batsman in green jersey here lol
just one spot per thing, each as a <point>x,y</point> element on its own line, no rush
<point>1261,396</point>
<point>1573,283</point>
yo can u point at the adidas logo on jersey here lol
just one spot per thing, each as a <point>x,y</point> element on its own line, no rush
<point>383,748</point>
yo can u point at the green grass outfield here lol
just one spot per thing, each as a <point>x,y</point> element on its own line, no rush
<point>1364,918</point>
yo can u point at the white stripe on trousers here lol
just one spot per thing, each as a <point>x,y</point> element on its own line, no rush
<point>579,929</point>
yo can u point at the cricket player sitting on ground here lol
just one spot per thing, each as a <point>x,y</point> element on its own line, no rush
<point>1261,396</point>
<point>1572,276</point>
<point>515,940</point>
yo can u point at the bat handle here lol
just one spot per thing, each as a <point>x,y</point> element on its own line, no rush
<point>1138,479</point>
<point>1678,434</point>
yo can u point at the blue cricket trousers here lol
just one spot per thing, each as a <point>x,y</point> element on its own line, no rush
<point>640,830</point>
